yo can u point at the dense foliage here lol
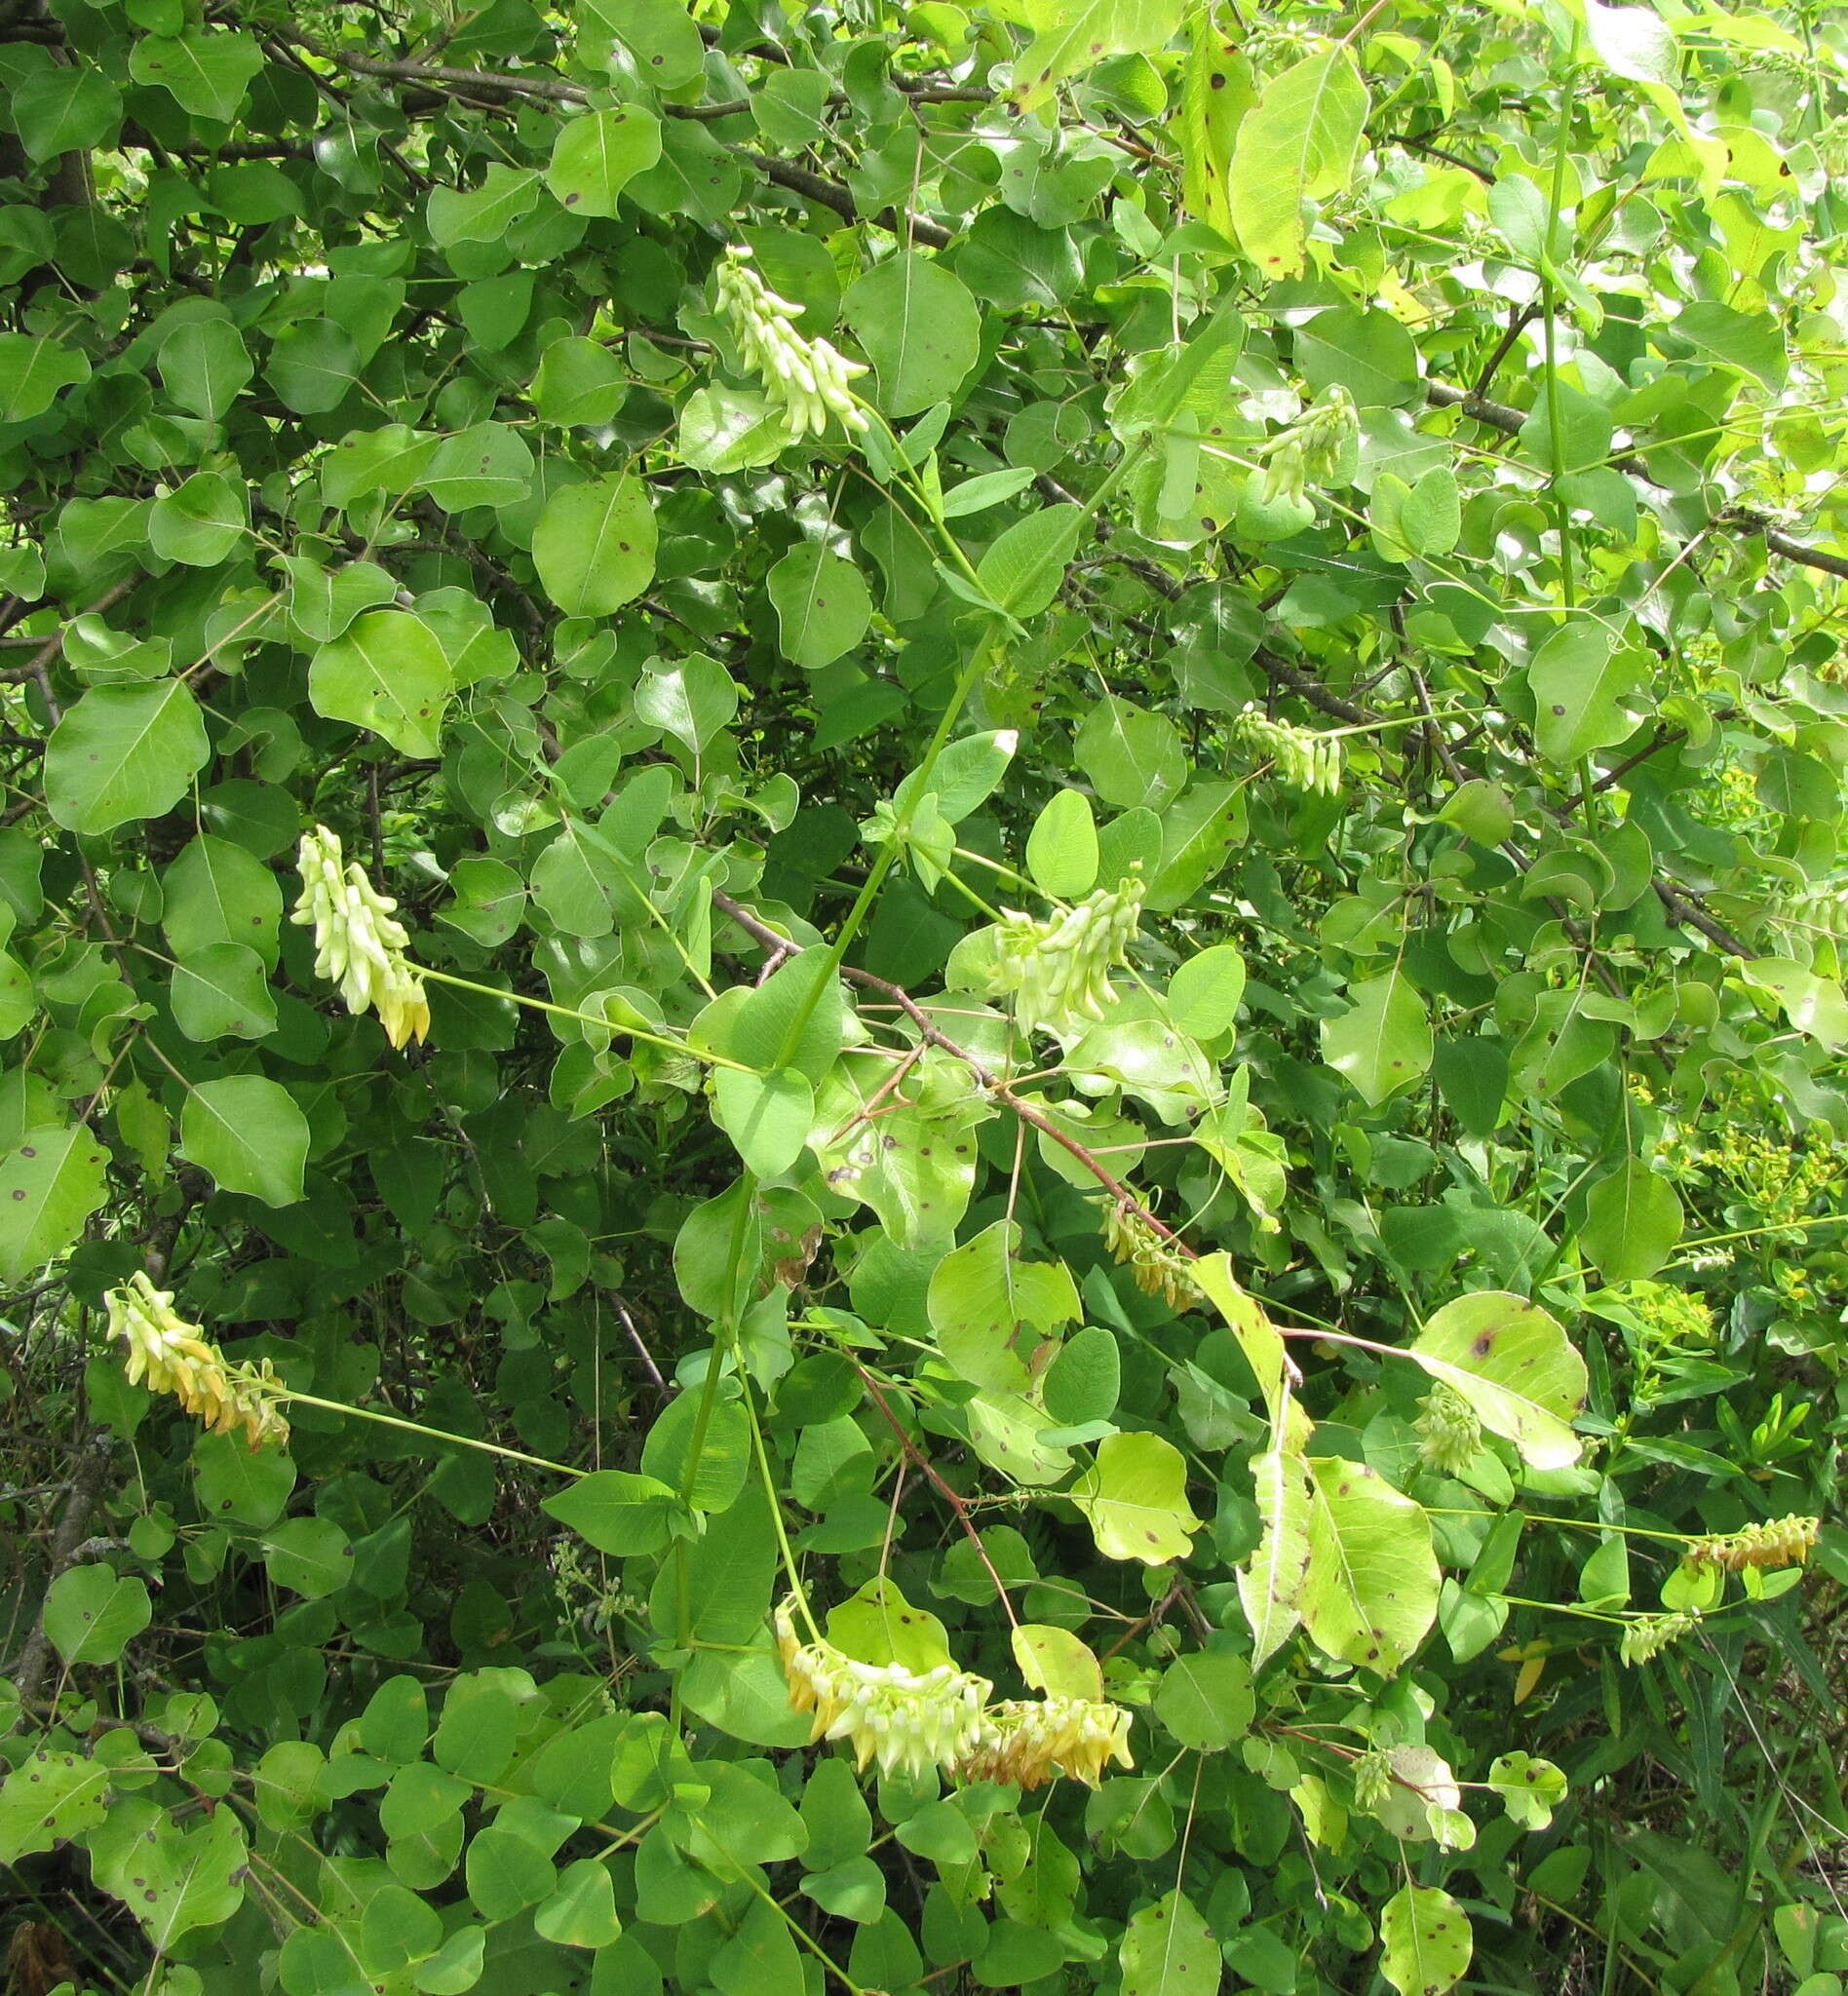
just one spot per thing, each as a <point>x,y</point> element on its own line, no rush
<point>964,875</point>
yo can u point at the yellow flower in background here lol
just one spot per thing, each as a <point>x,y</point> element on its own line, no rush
<point>169,1354</point>
<point>359,943</point>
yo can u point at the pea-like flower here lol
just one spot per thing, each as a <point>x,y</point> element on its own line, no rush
<point>1776,1542</point>
<point>1648,1635</point>
<point>172,1356</point>
<point>359,942</point>
<point>1309,452</point>
<point>811,379</point>
<point>1031,1740</point>
<point>1057,968</point>
<point>1158,1267</point>
<point>1304,759</point>
<point>909,1719</point>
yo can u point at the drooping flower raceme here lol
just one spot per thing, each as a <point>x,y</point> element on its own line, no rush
<point>809,377</point>
<point>1310,451</point>
<point>358,941</point>
<point>1776,1542</point>
<point>1058,968</point>
<point>1304,759</point>
<point>1158,1267</point>
<point>1029,1742</point>
<point>909,1719</point>
<point>1647,1635</point>
<point>172,1356</point>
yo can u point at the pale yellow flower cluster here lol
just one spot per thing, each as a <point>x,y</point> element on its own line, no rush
<point>1647,1635</point>
<point>1778,1542</point>
<point>172,1356</point>
<point>809,377</point>
<point>1028,1743</point>
<point>900,1718</point>
<point>942,1718</point>
<point>1058,970</point>
<point>1158,1267</point>
<point>357,943</point>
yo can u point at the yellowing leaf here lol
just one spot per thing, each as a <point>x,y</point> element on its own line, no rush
<point>1271,1584</point>
<point>1296,143</point>
<point>1516,1368</point>
<point>1257,1338</point>
<point>1371,1592</point>
<point>1074,35</point>
<point>1425,1940</point>
<point>1134,1496</point>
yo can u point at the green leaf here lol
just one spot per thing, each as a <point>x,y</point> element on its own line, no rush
<point>236,1483</point>
<point>990,1310</point>
<point>92,1614</point>
<point>822,608</point>
<point>49,1185</point>
<point>660,34</point>
<point>486,464</point>
<point>1371,1592</point>
<point>1383,1042</point>
<point>1061,849</point>
<point>579,381</point>
<point>920,330</point>
<point>594,546</point>
<point>204,72</point>
<point>766,1116</point>
<point>205,367</point>
<point>1271,1586</point>
<point>1516,1368</point>
<point>72,108</point>
<point>1135,758</point>
<point>1632,1222</point>
<point>173,1876</point>
<point>1297,144</point>
<point>52,1794</point>
<point>596,155</point>
<point>216,892</point>
<point>1206,1701</point>
<point>1169,1950</point>
<point>1134,1498</point>
<point>33,373</point>
<point>123,753</point>
<point>483,213</point>
<point>1425,1940</point>
<point>221,992</point>
<point>1204,992</point>
<point>1025,569</point>
<point>201,523</point>
<point>313,366</point>
<point>311,1557</point>
<point>249,1135</point>
<point>388,673</point>
<point>1531,1789</point>
<point>711,1479</point>
<point>616,1512</point>
<point>1634,42</point>
<point>1748,342</point>
<point>1582,684</point>
<point>582,1911</point>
